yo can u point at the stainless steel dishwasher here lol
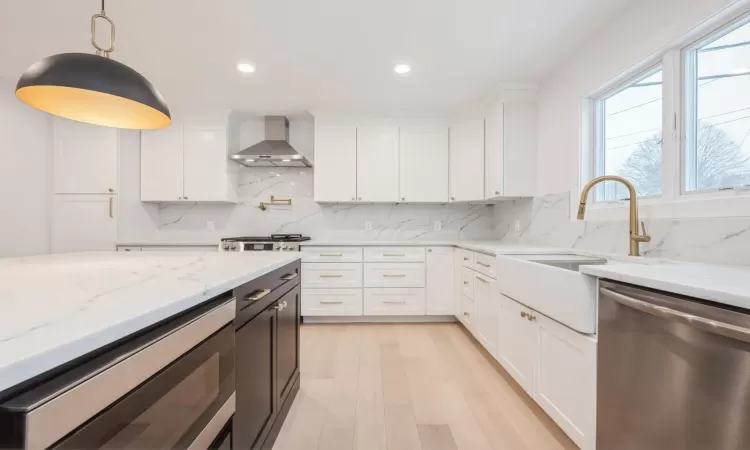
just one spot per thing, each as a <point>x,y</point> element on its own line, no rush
<point>673,372</point>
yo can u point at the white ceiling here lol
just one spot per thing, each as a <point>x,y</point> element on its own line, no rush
<point>313,54</point>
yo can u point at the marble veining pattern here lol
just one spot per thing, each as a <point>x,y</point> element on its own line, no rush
<point>87,300</point>
<point>546,221</point>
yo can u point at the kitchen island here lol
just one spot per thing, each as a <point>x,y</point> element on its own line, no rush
<point>70,319</point>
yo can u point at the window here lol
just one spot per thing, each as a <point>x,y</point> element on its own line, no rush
<point>628,137</point>
<point>717,110</point>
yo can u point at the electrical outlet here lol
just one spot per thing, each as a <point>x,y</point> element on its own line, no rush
<point>438,225</point>
<point>368,225</point>
<point>210,225</point>
<point>516,225</point>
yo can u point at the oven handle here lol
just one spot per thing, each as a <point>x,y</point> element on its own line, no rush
<point>215,425</point>
<point>702,323</point>
<point>68,408</point>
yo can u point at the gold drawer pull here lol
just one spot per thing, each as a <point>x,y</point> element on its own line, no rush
<point>331,254</point>
<point>331,276</point>
<point>394,301</point>
<point>259,295</point>
<point>466,258</point>
<point>394,254</point>
<point>482,279</point>
<point>524,315</point>
<point>394,275</point>
<point>466,282</point>
<point>331,302</point>
<point>289,276</point>
<point>484,265</point>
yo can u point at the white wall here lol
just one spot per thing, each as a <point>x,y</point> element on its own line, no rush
<point>641,30</point>
<point>25,176</point>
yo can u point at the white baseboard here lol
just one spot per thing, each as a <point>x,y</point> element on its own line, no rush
<point>379,319</point>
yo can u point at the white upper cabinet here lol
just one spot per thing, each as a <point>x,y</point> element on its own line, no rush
<point>510,156</point>
<point>494,169</point>
<point>85,160</point>
<point>204,163</point>
<point>377,164</point>
<point>467,160</point>
<point>439,281</point>
<point>186,163</point>
<point>424,164</point>
<point>161,164</point>
<point>335,169</point>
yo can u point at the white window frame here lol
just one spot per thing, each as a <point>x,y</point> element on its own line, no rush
<point>674,202</point>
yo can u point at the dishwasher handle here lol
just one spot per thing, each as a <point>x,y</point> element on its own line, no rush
<point>702,323</point>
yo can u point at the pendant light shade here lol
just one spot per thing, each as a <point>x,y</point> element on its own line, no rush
<point>93,89</point>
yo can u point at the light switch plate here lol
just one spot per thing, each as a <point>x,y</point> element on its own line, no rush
<point>438,225</point>
<point>368,225</point>
<point>210,225</point>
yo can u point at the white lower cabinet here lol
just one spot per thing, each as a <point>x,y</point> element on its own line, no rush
<point>331,275</point>
<point>467,314</point>
<point>331,302</point>
<point>394,302</point>
<point>83,223</point>
<point>404,275</point>
<point>519,342</point>
<point>566,380</point>
<point>439,281</point>
<point>486,305</point>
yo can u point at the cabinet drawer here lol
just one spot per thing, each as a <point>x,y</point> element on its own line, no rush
<point>331,302</point>
<point>485,264</point>
<point>467,282</point>
<point>394,302</point>
<point>331,275</point>
<point>331,254</point>
<point>379,275</point>
<point>467,258</point>
<point>394,254</point>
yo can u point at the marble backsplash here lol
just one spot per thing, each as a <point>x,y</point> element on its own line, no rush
<point>546,221</point>
<point>188,222</point>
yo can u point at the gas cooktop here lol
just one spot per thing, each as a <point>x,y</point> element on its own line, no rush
<point>278,242</point>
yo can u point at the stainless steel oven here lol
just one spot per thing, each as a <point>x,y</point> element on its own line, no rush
<point>172,387</point>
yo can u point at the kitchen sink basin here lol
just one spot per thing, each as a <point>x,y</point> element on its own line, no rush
<point>573,262</point>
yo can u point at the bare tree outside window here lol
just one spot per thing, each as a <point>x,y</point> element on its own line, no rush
<point>721,162</point>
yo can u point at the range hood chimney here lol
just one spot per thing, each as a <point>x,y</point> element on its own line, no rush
<point>274,150</point>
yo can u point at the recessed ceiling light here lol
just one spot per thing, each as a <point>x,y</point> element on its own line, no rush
<point>401,69</point>
<point>286,160</point>
<point>246,67</point>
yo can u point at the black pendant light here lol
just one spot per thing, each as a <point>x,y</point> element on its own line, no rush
<point>94,88</point>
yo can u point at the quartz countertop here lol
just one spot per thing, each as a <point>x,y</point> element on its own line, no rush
<point>55,308</point>
<point>488,247</point>
<point>729,285</point>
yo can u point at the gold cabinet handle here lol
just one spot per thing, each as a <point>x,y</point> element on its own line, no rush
<point>530,317</point>
<point>331,302</point>
<point>394,301</point>
<point>524,314</point>
<point>394,275</point>
<point>466,282</point>
<point>331,275</point>
<point>394,254</point>
<point>289,276</point>
<point>331,254</point>
<point>466,258</point>
<point>483,264</point>
<point>285,304</point>
<point>258,295</point>
<point>482,280</point>
<point>111,213</point>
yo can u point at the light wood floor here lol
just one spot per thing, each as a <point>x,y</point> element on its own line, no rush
<point>410,387</point>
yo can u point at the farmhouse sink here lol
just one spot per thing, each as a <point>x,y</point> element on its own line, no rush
<point>567,262</point>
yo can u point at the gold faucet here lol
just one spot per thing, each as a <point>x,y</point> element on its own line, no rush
<point>635,238</point>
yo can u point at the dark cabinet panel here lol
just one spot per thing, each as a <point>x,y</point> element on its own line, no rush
<point>256,379</point>
<point>288,342</point>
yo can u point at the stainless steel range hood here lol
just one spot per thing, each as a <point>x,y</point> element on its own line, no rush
<point>274,150</point>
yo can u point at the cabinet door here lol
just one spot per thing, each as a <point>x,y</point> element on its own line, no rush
<point>204,164</point>
<point>493,152</point>
<point>458,296</point>
<point>485,315</point>
<point>84,222</point>
<point>288,342</point>
<point>518,343</point>
<point>467,316</point>
<point>335,174</point>
<point>439,282</point>
<point>424,164</point>
<point>377,164</point>
<point>566,380</point>
<point>467,161</point>
<point>85,158</point>
<point>255,379</point>
<point>520,150</point>
<point>161,164</point>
